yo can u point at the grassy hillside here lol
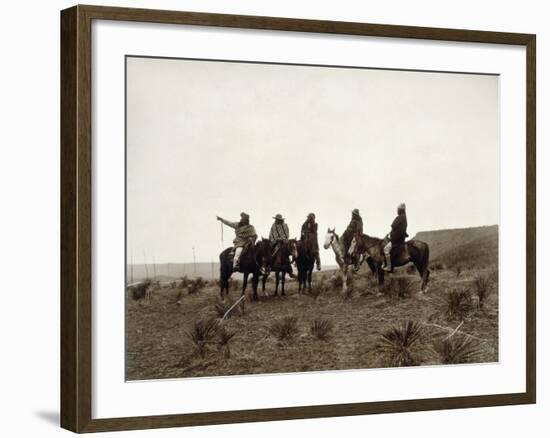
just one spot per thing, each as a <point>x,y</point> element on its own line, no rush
<point>469,247</point>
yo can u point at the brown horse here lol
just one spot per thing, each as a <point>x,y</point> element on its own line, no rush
<point>255,260</point>
<point>280,264</point>
<point>305,261</point>
<point>414,251</point>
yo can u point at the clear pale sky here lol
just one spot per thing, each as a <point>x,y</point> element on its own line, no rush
<point>217,138</point>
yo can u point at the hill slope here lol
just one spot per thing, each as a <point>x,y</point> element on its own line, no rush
<point>467,246</point>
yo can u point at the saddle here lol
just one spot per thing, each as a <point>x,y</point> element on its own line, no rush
<point>399,251</point>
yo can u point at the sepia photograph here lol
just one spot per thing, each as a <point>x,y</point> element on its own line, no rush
<point>288,218</point>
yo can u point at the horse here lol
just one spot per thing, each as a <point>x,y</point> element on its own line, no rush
<point>415,251</point>
<point>333,241</point>
<point>305,261</point>
<point>281,265</point>
<point>255,260</point>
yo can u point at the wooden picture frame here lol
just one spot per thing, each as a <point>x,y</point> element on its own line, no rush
<point>76,217</point>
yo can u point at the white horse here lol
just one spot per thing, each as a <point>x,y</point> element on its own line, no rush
<point>332,240</point>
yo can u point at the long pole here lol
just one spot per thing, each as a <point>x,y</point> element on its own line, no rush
<point>146,268</point>
<point>194,263</point>
<point>154,269</point>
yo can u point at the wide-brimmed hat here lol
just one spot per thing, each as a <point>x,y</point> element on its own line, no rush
<point>401,206</point>
<point>311,215</point>
<point>355,211</point>
<point>244,215</point>
<point>279,217</point>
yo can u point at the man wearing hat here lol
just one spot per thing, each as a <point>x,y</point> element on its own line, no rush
<point>279,232</point>
<point>398,234</point>
<point>244,234</point>
<point>309,234</point>
<point>353,233</point>
<point>279,235</point>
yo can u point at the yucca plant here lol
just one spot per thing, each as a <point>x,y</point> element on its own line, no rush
<point>400,345</point>
<point>224,337</point>
<point>458,349</point>
<point>458,303</point>
<point>320,328</point>
<point>482,286</point>
<point>221,307</point>
<point>284,329</point>
<point>201,334</point>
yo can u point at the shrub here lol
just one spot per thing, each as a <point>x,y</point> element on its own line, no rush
<point>457,350</point>
<point>493,275</point>
<point>458,270</point>
<point>399,346</point>
<point>320,328</point>
<point>458,303</point>
<point>482,286</point>
<point>235,285</point>
<point>140,290</point>
<point>224,337</point>
<point>398,287</point>
<point>319,288</point>
<point>284,329</point>
<point>196,285</point>
<point>201,334</point>
<point>403,286</point>
<point>336,281</point>
<point>184,281</point>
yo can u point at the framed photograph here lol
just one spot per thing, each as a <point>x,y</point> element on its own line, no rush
<point>272,218</point>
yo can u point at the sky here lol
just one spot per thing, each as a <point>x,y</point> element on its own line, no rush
<point>213,138</point>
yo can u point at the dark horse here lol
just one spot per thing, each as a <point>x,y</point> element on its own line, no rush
<point>255,260</point>
<point>305,261</point>
<point>280,264</point>
<point>414,251</point>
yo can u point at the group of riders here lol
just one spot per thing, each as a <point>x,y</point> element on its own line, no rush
<point>245,234</point>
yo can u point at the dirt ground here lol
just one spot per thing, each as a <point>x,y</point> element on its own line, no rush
<point>159,344</point>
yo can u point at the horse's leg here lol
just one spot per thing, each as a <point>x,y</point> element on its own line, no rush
<point>345,278</point>
<point>424,272</point>
<point>380,272</point>
<point>245,281</point>
<point>309,275</point>
<point>255,281</point>
<point>276,283</point>
<point>283,283</point>
<point>264,279</point>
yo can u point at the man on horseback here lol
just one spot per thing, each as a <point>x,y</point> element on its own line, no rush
<point>353,234</point>
<point>309,235</point>
<point>398,235</point>
<point>278,236</point>
<point>245,234</point>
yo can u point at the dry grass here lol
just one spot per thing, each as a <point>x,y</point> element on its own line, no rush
<point>159,346</point>
<point>321,328</point>
<point>284,329</point>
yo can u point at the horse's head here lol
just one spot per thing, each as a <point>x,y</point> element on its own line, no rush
<point>263,256</point>
<point>293,248</point>
<point>329,237</point>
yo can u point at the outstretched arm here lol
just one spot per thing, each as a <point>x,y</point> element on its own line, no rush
<point>226,222</point>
